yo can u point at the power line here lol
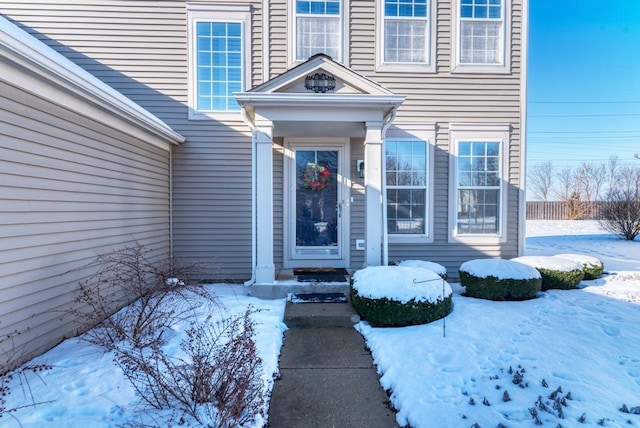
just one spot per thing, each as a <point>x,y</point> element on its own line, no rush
<point>560,116</point>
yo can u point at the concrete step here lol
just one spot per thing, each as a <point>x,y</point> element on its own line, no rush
<point>320,315</point>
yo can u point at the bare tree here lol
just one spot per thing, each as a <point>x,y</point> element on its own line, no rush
<point>621,213</point>
<point>589,179</point>
<point>540,180</point>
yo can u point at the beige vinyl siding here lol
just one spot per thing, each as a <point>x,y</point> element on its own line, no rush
<point>140,49</point>
<point>70,188</point>
<point>357,206</point>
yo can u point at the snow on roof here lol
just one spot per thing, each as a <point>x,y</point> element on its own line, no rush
<point>499,268</point>
<point>549,262</point>
<point>401,284</point>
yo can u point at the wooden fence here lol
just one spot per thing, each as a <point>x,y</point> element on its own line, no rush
<point>561,210</point>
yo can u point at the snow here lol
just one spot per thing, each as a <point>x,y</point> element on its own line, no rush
<point>86,389</point>
<point>401,284</point>
<point>549,263</point>
<point>499,268</point>
<point>582,259</point>
<point>435,267</point>
<point>585,341</point>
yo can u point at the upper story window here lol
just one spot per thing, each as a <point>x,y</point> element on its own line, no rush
<point>218,65</point>
<point>318,29</point>
<point>218,54</point>
<point>404,35</point>
<point>480,39</point>
<point>478,192</point>
<point>405,31</point>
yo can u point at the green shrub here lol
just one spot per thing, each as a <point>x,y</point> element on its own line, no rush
<point>395,296</point>
<point>391,313</point>
<point>592,266</point>
<point>493,288</point>
<point>555,279</point>
<point>557,273</point>
<point>499,279</point>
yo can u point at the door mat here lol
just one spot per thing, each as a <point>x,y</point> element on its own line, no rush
<point>318,298</point>
<point>322,277</point>
<point>311,271</point>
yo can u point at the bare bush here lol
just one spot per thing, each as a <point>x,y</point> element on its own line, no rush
<point>153,292</point>
<point>219,380</point>
<point>621,213</point>
<point>9,372</point>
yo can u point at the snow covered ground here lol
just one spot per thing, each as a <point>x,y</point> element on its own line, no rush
<point>491,363</point>
<point>455,372</point>
<point>85,389</point>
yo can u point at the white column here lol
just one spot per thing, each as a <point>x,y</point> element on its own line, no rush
<point>265,270</point>
<point>373,193</point>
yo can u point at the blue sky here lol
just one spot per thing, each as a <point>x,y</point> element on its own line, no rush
<point>583,81</point>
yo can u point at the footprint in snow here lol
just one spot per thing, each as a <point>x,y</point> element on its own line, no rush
<point>609,330</point>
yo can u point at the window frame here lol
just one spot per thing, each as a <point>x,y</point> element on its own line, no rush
<point>292,36</point>
<point>499,133</point>
<point>222,13</point>
<point>406,67</point>
<point>409,132</point>
<point>504,66</point>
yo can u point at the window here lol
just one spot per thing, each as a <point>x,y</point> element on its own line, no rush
<point>406,177</point>
<point>219,65</point>
<point>218,35</point>
<point>478,194</point>
<point>404,36</point>
<point>481,40</point>
<point>318,29</point>
<point>405,31</point>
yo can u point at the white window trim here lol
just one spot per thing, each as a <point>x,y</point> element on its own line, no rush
<point>403,67</point>
<point>216,12</point>
<point>426,133</point>
<point>502,68</point>
<point>291,29</point>
<point>478,132</point>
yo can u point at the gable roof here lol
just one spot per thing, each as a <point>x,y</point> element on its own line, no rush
<point>348,80</point>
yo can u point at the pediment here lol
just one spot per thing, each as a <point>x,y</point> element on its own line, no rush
<point>347,81</point>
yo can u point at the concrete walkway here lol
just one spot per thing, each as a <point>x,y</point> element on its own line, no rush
<point>327,377</point>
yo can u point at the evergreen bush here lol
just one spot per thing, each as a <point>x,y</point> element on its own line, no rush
<point>556,272</point>
<point>592,266</point>
<point>498,279</point>
<point>394,296</point>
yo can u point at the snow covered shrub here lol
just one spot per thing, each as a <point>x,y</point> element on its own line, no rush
<point>592,266</point>
<point>397,296</point>
<point>556,272</point>
<point>499,279</point>
<point>435,267</point>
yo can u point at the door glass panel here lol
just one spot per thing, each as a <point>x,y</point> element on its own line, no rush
<point>316,202</point>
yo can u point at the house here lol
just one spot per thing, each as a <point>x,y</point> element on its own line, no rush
<point>263,135</point>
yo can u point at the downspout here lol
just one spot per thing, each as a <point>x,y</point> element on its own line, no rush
<point>250,124</point>
<point>388,120</point>
<point>171,206</point>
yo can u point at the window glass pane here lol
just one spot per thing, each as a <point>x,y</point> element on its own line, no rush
<point>406,186</point>
<point>318,35</point>
<point>219,65</point>
<point>478,187</point>
<point>480,42</point>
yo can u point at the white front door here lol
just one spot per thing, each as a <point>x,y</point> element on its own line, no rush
<point>316,215</point>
